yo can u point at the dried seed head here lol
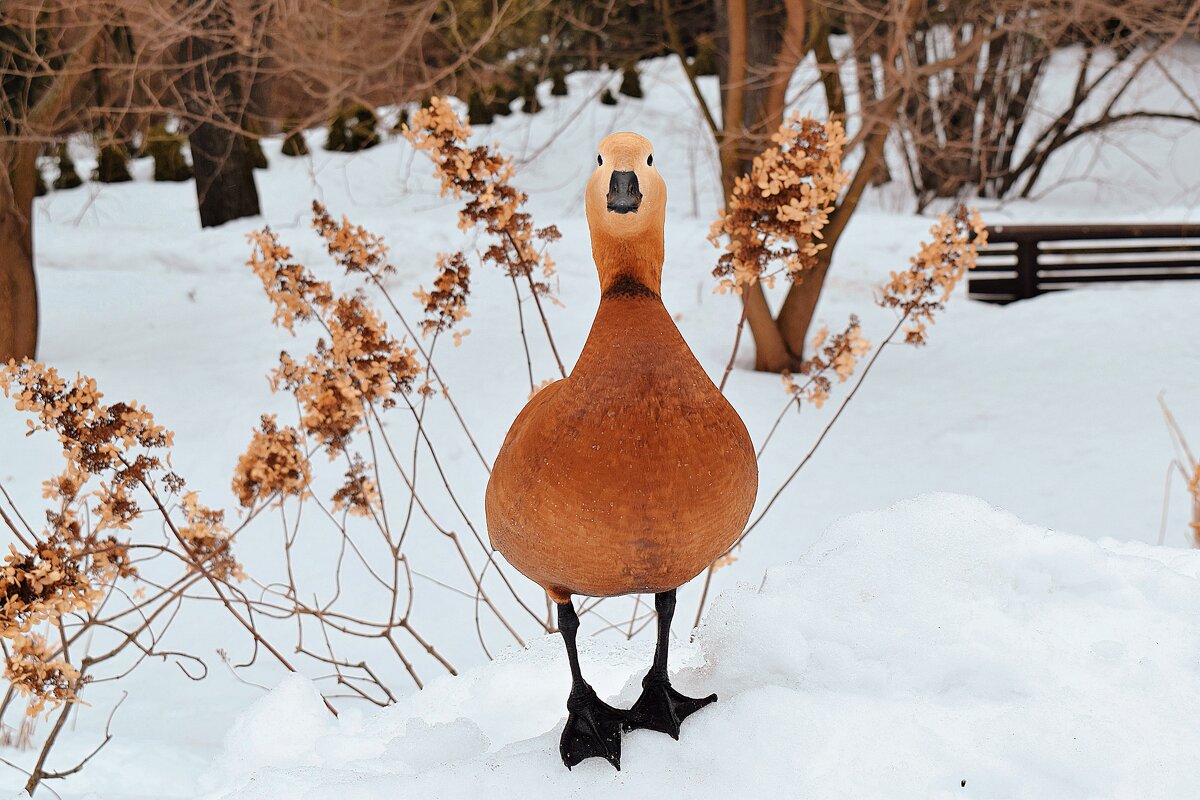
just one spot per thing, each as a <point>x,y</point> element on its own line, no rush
<point>37,674</point>
<point>483,176</point>
<point>777,212</point>
<point>274,463</point>
<point>933,273</point>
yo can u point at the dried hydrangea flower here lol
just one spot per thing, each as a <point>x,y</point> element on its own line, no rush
<point>838,354</point>
<point>483,176</point>
<point>777,212</point>
<point>923,289</point>
<point>44,679</point>
<point>273,463</point>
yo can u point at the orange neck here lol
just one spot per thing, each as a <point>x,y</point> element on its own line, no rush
<point>640,259</point>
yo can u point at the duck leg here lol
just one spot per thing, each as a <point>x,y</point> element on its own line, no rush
<point>593,726</point>
<point>661,708</point>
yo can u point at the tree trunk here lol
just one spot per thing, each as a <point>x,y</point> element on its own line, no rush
<point>732,43</point>
<point>758,42</point>
<point>762,42</point>
<point>18,287</point>
<point>224,176</point>
<point>770,351</point>
<point>216,92</point>
<point>18,179</point>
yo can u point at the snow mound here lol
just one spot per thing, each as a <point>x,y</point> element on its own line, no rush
<point>912,649</point>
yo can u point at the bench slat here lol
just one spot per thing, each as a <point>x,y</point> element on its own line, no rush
<point>1050,248</point>
<point>1054,278</point>
<point>1131,267</point>
<point>1050,233</point>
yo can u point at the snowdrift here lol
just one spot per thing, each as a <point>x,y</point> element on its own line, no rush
<point>911,650</point>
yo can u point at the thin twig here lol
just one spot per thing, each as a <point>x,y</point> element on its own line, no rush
<point>807,457</point>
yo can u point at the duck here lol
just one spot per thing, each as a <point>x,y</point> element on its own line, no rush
<point>632,474</point>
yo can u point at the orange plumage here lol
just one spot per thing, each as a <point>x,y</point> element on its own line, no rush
<point>633,473</point>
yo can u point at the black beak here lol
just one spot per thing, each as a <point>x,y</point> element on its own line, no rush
<point>623,193</point>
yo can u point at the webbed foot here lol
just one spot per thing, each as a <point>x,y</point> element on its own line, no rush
<point>661,708</point>
<point>593,728</point>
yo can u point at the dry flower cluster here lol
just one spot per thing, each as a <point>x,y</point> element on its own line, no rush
<point>204,534</point>
<point>291,287</point>
<point>82,576</point>
<point>47,581</point>
<point>353,247</point>
<point>355,374</point>
<point>939,265</point>
<point>446,304</point>
<point>34,668</point>
<point>483,175</point>
<point>117,445</point>
<point>273,465</point>
<point>359,366</point>
<point>777,211</point>
<point>358,493</point>
<point>838,354</point>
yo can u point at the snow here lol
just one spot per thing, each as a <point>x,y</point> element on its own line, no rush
<point>900,652</point>
<point>911,649</point>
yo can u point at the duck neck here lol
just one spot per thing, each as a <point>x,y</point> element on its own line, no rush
<point>629,261</point>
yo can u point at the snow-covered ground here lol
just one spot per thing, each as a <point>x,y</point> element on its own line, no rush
<point>938,649</point>
<point>901,652</point>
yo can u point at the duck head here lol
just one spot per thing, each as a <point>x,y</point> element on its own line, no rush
<point>626,210</point>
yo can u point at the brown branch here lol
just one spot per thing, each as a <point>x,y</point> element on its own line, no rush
<point>737,340</point>
<point>676,44</point>
<point>217,587</point>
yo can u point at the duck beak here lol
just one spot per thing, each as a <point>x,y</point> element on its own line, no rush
<point>624,195</point>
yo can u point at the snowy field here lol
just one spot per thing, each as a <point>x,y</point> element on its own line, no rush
<point>885,654</point>
<point>938,649</point>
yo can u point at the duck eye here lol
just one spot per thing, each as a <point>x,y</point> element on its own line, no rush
<point>650,160</point>
<point>599,160</point>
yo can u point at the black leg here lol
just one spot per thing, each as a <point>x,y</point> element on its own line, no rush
<point>661,708</point>
<point>593,727</point>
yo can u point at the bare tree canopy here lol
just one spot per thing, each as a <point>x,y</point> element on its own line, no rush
<point>220,71</point>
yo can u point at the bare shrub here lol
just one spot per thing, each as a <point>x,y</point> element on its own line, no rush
<point>85,599</point>
<point>763,237</point>
<point>356,376</point>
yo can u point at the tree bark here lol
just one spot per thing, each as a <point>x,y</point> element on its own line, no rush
<point>762,43</point>
<point>224,175</point>
<point>770,350</point>
<point>18,285</point>
<point>18,180</point>
<point>733,90</point>
<point>216,93</point>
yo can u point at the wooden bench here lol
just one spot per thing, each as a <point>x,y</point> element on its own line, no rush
<point>1023,261</point>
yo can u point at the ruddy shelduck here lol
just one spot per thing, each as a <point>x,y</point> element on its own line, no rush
<point>632,474</point>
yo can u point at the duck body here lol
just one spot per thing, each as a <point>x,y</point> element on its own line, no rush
<point>631,475</point>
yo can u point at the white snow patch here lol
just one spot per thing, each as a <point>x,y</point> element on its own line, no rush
<point>912,649</point>
<point>258,739</point>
